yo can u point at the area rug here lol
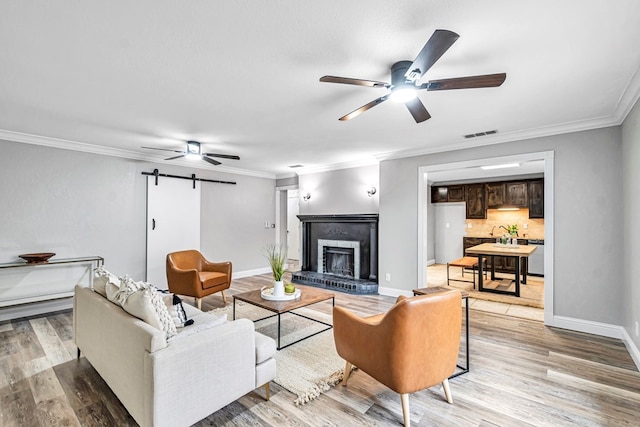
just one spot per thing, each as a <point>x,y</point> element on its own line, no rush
<point>307,368</point>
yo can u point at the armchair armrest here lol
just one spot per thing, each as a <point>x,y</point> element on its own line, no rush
<point>220,267</point>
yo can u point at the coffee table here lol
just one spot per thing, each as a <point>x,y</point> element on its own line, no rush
<point>308,295</point>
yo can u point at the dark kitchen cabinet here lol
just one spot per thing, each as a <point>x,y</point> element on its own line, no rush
<point>516,194</point>
<point>439,194</point>
<point>455,193</point>
<point>475,202</point>
<point>450,193</point>
<point>536,198</point>
<point>495,194</point>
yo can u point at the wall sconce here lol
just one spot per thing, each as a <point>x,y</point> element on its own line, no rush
<point>306,197</point>
<point>371,191</point>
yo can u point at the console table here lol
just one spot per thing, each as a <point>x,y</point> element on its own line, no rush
<point>12,280</point>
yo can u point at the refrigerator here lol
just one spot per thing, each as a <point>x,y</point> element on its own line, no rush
<point>450,223</point>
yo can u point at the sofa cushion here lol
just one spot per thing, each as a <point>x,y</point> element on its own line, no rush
<point>201,322</point>
<point>210,279</point>
<point>105,282</point>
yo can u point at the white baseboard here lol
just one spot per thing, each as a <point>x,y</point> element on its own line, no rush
<point>391,292</point>
<point>35,308</point>
<point>247,273</point>
<point>431,262</point>
<point>632,348</point>
<point>602,329</point>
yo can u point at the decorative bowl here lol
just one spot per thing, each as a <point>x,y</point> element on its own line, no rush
<point>34,258</point>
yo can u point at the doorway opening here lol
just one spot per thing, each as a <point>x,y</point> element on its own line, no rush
<point>461,171</point>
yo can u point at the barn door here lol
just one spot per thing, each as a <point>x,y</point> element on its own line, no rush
<point>173,223</point>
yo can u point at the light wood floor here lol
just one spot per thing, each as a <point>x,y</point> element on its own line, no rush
<point>522,374</point>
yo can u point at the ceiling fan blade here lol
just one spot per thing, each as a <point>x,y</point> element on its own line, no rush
<point>213,162</point>
<point>417,110</point>
<point>364,108</point>
<point>176,157</point>
<point>163,149</point>
<point>222,156</point>
<point>350,81</point>
<point>436,46</point>
<point>488,80</point>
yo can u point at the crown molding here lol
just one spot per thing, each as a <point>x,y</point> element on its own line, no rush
<point>500,138</point>
<point>65,144</point>
<point>369,161</point>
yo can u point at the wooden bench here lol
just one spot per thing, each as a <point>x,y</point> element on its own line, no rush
<point>467,262</point>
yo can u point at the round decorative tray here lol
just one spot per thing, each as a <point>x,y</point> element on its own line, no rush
<point>499,245</point>
<point>40,257</point>
<point>267,293</point>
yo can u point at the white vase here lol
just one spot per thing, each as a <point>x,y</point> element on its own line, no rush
<point>278,288</point>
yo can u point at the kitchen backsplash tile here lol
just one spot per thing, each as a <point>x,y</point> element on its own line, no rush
<point>496,218</point>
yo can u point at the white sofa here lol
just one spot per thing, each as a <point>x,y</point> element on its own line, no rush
<point>176,382</point>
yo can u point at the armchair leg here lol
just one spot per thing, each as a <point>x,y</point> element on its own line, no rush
<point>267,391</point>
<point>404,397</point>
<point>199,303</point>
<point>347,372</point>
<point>224,299</point>
<point>447,390</point>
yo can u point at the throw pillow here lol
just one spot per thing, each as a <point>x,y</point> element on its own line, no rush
<point>175,309</point>
<point>143,301</point>
<point>105,283</point>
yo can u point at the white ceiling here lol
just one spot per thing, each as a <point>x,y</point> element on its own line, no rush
<point>242,76</point>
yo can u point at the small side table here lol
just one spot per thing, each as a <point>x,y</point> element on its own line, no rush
<point>465,296</point>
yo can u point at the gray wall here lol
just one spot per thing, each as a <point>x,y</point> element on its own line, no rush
<point>588,198</point>
<point>631,190</point>
<point>80,204</point>
<point>341,191</point>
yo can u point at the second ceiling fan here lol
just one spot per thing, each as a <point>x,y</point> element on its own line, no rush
<point>405,74</point>
<point>193,149</point>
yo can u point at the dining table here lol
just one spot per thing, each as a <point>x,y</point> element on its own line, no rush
<point>520,253</point>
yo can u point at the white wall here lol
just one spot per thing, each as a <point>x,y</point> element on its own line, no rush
<point>79,204</point>
<point>341,191</point>
<point>588,197</point>
<point>631,207</point>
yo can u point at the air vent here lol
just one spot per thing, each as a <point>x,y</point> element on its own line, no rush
<point>296,166</point>
<point>488,132</point>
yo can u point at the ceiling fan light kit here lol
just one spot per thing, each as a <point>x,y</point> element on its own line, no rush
<point>405,74</point>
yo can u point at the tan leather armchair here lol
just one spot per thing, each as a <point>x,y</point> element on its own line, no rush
<point>189,273</point>
<point>411,347</point>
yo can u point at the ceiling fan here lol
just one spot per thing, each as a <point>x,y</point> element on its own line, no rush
<point>405,74</point>
<point>193,150</point>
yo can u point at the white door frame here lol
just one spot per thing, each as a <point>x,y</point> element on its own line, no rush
<point>423,200</point>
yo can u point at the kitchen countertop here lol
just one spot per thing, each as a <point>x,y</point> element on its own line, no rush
<point>495,237</point>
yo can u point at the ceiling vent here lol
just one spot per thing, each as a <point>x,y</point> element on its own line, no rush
<point>296,166</point>
<point>488,132</point>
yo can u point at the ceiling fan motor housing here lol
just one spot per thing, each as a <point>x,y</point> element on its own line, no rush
<point>398,71</point>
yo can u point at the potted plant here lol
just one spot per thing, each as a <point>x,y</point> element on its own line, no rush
<point>277,257</point>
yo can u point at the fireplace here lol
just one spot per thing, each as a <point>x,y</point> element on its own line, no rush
<point>340,252</point>
<point>339,258</point>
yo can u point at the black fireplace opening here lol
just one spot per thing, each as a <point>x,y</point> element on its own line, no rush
<point>338,261</point>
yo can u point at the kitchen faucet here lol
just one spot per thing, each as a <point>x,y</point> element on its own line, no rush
<point>491,234</point>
